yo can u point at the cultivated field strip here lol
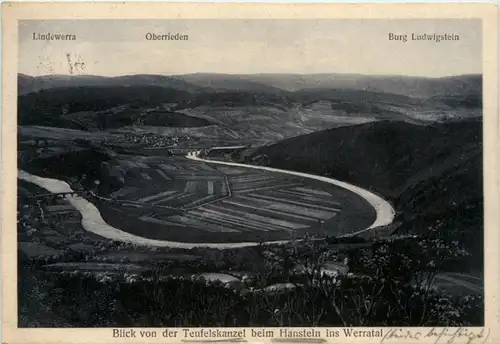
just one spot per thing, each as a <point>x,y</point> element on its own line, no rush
<point>175,198</point>
<point>201,177</point>
<point>245,204</point>
<point>302,197</point>
<point>263,213</point>
<point>300,203</point>
<point>267,187</point>
<point>208,225</point>
<point>200,201</point>
<point>312,191</point>
<point>190,187</point>
<point>286,208</point>
<point>163,175</point>
<point>248,222</point>
<point>155,196</point>
<point>229,220</point>
<point>143,191</point>
<point>254,181</point>
<point>168,168</point>
<point>230,171</point>
<point>256,217</point>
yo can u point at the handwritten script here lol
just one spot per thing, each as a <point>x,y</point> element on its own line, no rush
<point>445,335</point>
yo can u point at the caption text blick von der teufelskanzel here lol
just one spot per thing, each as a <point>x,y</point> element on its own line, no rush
<point>244,333</point>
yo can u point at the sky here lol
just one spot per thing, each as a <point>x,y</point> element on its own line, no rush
<point>120,47</point>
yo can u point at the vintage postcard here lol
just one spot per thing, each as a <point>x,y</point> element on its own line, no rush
<point>250,172</point>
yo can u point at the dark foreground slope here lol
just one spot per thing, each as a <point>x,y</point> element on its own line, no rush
<point>431,174</point>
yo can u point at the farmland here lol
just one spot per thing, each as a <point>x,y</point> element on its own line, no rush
<point>173,198</point>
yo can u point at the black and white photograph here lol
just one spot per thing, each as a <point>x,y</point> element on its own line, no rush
<point>232,173</point>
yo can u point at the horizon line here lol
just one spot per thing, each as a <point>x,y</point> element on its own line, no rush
<point>254,74</point>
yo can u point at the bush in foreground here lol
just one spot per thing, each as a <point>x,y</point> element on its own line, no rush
<point>398,292</point>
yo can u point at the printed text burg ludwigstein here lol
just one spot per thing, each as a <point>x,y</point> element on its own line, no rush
<point>424,37</point>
